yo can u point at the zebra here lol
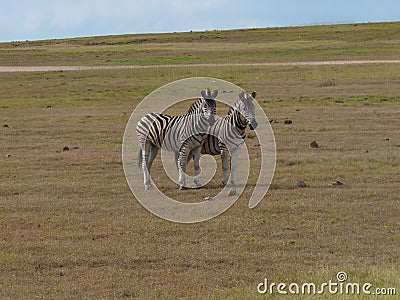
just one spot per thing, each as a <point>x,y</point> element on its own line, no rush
<point>227,135</point>
<point>179,134</point>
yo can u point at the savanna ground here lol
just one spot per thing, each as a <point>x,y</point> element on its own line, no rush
<point>70,227</point>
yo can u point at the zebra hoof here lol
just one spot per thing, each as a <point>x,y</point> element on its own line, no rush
<point>223,184</point>
<point>232,192</point>
<point>198,185</point>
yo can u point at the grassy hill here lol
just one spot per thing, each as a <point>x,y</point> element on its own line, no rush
<point>329,42</point>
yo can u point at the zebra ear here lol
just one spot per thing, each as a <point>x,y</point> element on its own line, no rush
<point>214,94</point>
<point>254,94</point>
<point>241,95</point>
<point>206,94</point>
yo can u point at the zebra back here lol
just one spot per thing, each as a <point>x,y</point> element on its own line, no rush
<point>170,132</point>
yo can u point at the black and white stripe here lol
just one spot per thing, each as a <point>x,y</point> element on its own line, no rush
<point>228,133</point>
<point>179,134</point>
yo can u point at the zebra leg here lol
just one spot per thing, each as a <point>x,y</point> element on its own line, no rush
<point>152,156</point>
<point>182,162</point>
<point>225,165</point>
<point>196,162</point>
<point>234,157</point>
<point>145,165</point>
<point>176,159</point>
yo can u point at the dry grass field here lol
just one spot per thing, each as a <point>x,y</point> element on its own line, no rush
<point>70,227</point>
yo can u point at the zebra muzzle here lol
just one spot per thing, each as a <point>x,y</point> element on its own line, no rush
<point>211,120</point>
<point>253,124</point>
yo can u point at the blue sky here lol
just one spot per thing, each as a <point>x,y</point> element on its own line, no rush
<point>47,19</point>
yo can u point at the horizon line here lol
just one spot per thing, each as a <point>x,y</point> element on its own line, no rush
<point>312,24</point>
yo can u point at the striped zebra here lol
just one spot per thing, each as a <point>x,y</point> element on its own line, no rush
<point>227,135</point>
<point>179,134</point>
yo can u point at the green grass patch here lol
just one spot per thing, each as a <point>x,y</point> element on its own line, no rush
<point>114,144</point>
<point>154,60</point>
<point>340,101</point>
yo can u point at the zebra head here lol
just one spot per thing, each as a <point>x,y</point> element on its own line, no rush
<point>245,106</point>
<point>209,105</point>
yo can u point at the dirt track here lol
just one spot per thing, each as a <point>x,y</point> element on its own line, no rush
<point>85,68</point>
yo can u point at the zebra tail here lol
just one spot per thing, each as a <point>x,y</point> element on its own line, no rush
<point>190,156</point>
<point>140,159</point>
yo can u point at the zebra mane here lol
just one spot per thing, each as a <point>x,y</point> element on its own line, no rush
<point>206,97</point>
<point>235,106</point>
<point>195,107</point>
<point>242,97</point>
